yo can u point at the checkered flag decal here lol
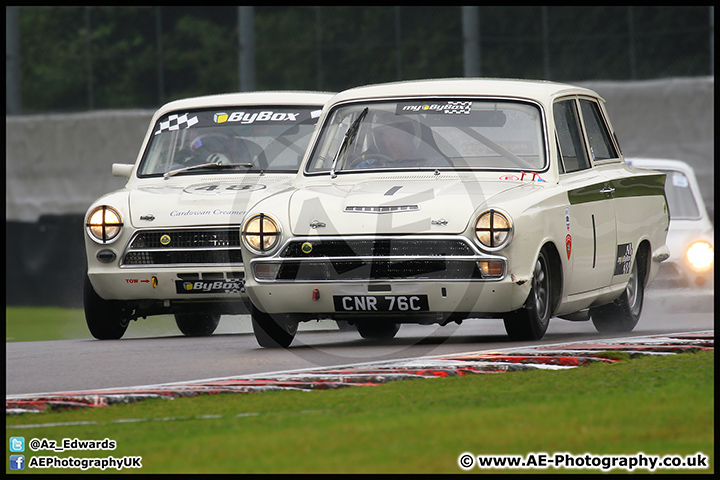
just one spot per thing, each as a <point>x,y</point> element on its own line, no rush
<point>176,122</point>
<point>458,108</point>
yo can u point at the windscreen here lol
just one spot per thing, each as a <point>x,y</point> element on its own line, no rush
<point>455,134</point>
<point>249,139</point>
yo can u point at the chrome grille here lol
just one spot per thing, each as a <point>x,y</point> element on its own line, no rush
<point>377,247</point>
<point>184,247</point>
<point>327,259</point>
<point>190,238</point>
<point>379,270</point>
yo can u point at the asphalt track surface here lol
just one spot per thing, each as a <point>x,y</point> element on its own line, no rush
<point>44,368</point>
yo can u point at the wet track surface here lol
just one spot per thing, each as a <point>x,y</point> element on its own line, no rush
<point>91,372</point>
<point>559,356</point>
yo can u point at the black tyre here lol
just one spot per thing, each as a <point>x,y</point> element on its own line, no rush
<point>531,321</point>
<point>622,315</point>
<point>106,319</point>
<point>378,330</point>
<point>276,331</point>
<point>197,324</point>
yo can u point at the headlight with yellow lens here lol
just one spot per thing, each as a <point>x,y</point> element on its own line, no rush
<point>104,224</point>
<point>261,233</point>
<point>700,255</point>
<point>493,229</point>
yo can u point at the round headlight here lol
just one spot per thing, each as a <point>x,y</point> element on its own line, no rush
<point>104,224</point>
<point>261,233</point>
<point>700,255</point>
<point>493,229</point>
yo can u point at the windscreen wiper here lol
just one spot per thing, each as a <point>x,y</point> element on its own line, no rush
<point>206,165</point>
<point>347,140</point>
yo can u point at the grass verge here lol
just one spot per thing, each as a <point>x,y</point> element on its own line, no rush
<point>25,324</point>
<point>655,405</point>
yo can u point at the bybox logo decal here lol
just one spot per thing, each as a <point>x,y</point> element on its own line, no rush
<point>449,107</point>
<point>264,116</point>
<point>230,285</point>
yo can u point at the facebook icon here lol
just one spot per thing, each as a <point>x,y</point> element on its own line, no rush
<point>17,462</point>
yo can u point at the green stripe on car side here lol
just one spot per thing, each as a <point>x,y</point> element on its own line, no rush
<point>591,193</point>
<point>639,186</point>
<point>636,186</point>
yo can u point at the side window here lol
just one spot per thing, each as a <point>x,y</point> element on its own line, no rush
<point>572,145</point>
<point>601,146</point>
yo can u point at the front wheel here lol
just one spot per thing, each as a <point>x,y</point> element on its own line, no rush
<point>531,321</point>
<point>273,331</point>
<point>622,315</point>
<point>197,324</point>
<point>106,319</point>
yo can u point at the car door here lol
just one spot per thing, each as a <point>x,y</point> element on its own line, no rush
<point>638,199</point>
<point>590,215</point>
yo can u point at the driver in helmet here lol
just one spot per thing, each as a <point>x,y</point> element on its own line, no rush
<point>213,148</point>
<point>393,144</point>
<point>395,147</point>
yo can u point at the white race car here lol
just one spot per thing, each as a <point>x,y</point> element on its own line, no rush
<point>169,242</point>
<point>691,236</point>
<point>441,200</point>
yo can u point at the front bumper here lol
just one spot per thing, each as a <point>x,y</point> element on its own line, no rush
<point>189,263</point>
<point>363,299</point>
<point>178,283</point>
<point>430,276</point>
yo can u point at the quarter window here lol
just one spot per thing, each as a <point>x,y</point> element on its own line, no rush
<point>569,134</point>
<point>601,146</point>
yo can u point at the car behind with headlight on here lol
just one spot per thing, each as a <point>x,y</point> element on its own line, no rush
<point>169,242</point>
<point>441,200</point>
<point>691,233</point>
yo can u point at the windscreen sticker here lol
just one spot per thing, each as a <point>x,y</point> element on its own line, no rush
<point>176,122</point>
<point>443,108</point>
<point>252,116</point>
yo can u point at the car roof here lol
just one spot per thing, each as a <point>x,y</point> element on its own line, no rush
<point>541,90</point>
<point>259,98</point>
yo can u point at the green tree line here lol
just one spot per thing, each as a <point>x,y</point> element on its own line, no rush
<point>80,58</point>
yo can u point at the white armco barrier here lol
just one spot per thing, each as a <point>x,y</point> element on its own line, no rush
<point>59,164</point>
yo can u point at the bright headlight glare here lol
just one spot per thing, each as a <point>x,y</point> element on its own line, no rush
<point>261,233</point>
<point>700,255</point>
<point>104,224</point>
<point>493,229</point>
